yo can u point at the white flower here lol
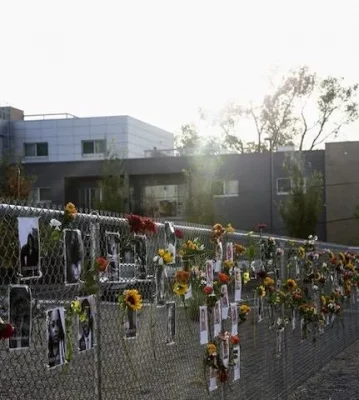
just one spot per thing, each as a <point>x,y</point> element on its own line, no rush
<point>54,223</point>
<point>315,287</point>
<point>324,265</point>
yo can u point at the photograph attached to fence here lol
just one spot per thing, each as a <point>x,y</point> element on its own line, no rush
<point>141,255</point>
<point>237,363</point>
<point>203,324</point>
<point>73,254</point>
<point>229,251</point>
<point>128,261</point>
<point>209,272</point>
<point>20,316</point>
<point>56,338</point>
<point>224,352</point>
<point>113,251</point>
<point>171,239</point>
<point>131,324</point>
<point>171,322</point>
<point>29,241</point>
<point>237,284</point>
<point>217,318</point>
<point>234,318</point>
<point>86,331</point>
<point>218,257</point>
<point>224,301</point>
<point>212,379</point>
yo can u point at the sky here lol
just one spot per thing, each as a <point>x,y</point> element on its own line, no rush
<point>160,61</point>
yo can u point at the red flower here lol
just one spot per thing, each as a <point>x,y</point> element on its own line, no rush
<point>262,274</point>
<point>223,375</point>
<point>6,330</point>
<point>261,227</point>
<point>223,278</point>
<point>101,264</point>
<point>235,339</point>
<point>179,234</point>
<point>207,290</point>
<point>141,224</point>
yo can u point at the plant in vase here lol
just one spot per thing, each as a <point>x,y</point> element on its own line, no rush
<point>192,251</point>
<point>141,225</point>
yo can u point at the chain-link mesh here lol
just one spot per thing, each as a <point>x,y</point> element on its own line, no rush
<point>145,367</point>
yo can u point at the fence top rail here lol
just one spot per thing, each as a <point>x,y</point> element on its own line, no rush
<point>94,217</point>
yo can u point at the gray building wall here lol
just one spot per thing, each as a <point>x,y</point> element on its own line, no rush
<point>342,192</point>
<point>250,207</point>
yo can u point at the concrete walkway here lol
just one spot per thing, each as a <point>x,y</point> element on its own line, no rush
<point>338,380</point>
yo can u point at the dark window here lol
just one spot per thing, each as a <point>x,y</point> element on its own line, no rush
<point>36,149</point>
<point>284,185</point>
<point>93,146</point>
<point>44,194</point>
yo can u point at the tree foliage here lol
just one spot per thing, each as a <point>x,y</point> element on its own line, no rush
<point>15,184</point>
<point>302,207</point>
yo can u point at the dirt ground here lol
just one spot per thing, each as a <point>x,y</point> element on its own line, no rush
<point>338,380</point>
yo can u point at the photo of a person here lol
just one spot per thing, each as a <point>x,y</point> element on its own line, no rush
<point>128,254</point>
<point>113,255</point>
<point>229,251</point>
<point>217,318</point>
<point>225,352</point>
<point>73,256</point>
<point>29,242</point>
<point>237,362</point>
<point>203,324</point>
<point>56,338</point>
<point>20,316</point>
<point>131,324</point>
<point>209,273</point>
<point>234,318</point>
<point>218,256</point>
<point>141,255</point>
<point>224,301</point>
<point>171,239</point>
<point>237,285</point>
<point>86,332</point>
<point>171,322</point>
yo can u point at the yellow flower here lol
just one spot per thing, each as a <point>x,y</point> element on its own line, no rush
<point>167,257</point>
<point>323,300</point>
<point>132,299</point>
<point>349,266</point>
<point>261,291</point>
<point>161,252</point>
<point>291,284</point>
<point>268,281</point>
<point>301,252</point>
<point>76,306</point>
<point>246,278</point>
<point>228,264</point>
<point>229,228</point>
<point>70,209</point>
<point>180,289</point>
<point>211,349</point>
<point>244,309</point>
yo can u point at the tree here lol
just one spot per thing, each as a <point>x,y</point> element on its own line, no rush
<point>188,138</point>
<point>15,184</point>
<point>114,185</point>
<point>300,211</point>
<point>201,176</point>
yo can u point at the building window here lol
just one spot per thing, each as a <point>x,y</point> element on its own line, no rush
<point>164,200</point>
<point>225,188</point>
<point>42,195</point>
<point>93,147</point>
<point>36,149</point>
<point>89,196</point>
<point>284,186</point>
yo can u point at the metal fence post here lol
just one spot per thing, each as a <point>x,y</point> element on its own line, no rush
<point>95,252</point>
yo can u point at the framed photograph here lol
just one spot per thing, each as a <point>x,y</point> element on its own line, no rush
<point>20,316</point>
<point>237,284</point>
<point>234,318</point>
<point>29,243</point>
<point>113,252</point>
<point>171,322</point>
<point>224,301</point>
<point>56,337</point>
<point>141,255</point>
<point>171,239</point>
<point>203,324</point>
<point>217,318</point>
<point>209,272</point>
<point>128,260</point>
<point>73,255</point>
<point>229,251</point>
<point>86,331</point>
<point>237,363</point>
<point>219,257</point>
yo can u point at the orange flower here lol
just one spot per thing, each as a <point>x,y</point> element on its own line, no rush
<point>235,339</point>
<point>223,278</point>
<point>101,264</point>
<point>268,281</point>
<point>182,276</point>
<point>70,210</point>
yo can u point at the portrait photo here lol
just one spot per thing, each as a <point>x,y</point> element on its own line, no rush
<point>20,316</point>
<point>219,257</point>
<point>229,251</point>
<point>170,239</point>
<point>224,347</point>
<point>73,254</point>
<point>237,362</point>
<point>86,326</point>
<point>217,318</point>
<point>224,301</point>
<point>113,251</point>
<point>234,318</point>
<point>29,243</point>
<point>237,284</point>
<point>56,338</point>
<point>141,255</point>
<point>171,322</point>
<point>203,324</point>
<point>209,273</point>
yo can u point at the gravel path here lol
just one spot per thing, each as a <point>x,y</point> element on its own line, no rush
<point>338,380</point>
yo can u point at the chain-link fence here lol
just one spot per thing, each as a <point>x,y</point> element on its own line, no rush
<point>145,367</point>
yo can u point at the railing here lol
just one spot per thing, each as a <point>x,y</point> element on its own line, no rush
<point>146,367</point>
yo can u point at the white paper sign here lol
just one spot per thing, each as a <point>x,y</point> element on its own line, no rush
<point>234,318</point>
<point>217,318</point>
<point>219,257</point>
<point>203,324</point>
<point>237,363</point>
<point>229,251</point>
<point>237,284</point>
<point>224,301</point>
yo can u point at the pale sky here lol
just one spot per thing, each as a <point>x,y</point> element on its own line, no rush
<point>160,61</point>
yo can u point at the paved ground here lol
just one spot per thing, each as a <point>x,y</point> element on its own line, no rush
<point>338,380</point>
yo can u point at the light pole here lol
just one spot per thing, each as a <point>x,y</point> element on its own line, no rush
<point>270,140</point>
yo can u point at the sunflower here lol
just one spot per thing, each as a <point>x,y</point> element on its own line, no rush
<point>291,284</point>
<point>70,210</point>
<point>132,299</point>
<point>261,291</point>
<point>180,289</point>
<point>167,257</point>
<point>268,281</point>
<point>211,349</point>
<point>244,309</point>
